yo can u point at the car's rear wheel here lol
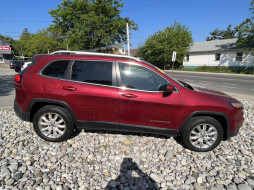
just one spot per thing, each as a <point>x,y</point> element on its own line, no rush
<point>53,123</point>
<point>202,134</point>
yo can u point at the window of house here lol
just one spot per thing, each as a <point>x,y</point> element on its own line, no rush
<point>217,56</point>
<point>239,56</point>
<point>141,78</point>
<point>56,69</point>
<point>187,57</point>
<point>97,72</point>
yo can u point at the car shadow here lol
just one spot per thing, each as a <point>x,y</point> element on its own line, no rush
<point>132,177</point>
<point>6,85</point>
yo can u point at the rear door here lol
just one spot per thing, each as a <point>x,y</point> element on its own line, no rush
<point>91,91</point>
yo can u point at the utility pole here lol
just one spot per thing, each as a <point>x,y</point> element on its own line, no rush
<point>22,53</point>
<point>164,54</point>
<point>128,35</point>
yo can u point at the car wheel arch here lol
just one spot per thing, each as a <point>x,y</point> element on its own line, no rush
<point>37,104</point>
<point>222,118</point>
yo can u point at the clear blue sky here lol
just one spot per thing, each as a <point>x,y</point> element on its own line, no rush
<point>201,16</point>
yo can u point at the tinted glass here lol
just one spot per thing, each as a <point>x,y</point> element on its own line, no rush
<point>97,72</point>
<point>56,69</point>
<point>141,78</point>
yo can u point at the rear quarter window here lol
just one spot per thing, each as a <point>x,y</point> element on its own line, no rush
<point>56,69</point>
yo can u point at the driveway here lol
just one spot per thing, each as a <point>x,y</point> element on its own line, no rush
<point>7,91</point>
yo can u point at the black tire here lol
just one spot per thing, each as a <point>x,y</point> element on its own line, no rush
<point>60,113</point>
<point>191,129</point>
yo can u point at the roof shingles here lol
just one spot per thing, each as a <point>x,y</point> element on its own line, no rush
<point>215,45</point>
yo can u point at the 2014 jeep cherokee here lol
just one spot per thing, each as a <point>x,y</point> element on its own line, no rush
<point>68,90</point>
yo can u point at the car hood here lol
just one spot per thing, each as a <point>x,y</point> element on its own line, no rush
<point>209,91</point>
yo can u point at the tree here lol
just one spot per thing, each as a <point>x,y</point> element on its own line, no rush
<point>217,34</point>
<point>245,32</point>
<point>42,42</point>
<point>159,47</point>
<point>21,44</point>
<point>7,39</point>
<point>89,24</point>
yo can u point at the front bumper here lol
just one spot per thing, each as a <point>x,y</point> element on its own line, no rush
<point>231,134</point>
<point>22,115</point>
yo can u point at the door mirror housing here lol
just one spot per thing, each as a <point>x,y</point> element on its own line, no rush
<point>170,88</point>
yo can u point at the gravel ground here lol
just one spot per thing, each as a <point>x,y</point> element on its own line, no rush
<point>121,161</point>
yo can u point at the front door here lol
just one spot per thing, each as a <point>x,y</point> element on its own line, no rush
<point>142,98</point>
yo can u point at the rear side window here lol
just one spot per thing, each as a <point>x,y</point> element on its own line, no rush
<point>56,69</point>
<point>97,72</point>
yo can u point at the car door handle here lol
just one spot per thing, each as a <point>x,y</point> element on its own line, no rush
<point>129,95</point>
<point>69,88</point>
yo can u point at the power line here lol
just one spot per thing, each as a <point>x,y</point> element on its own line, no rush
<point>10,32</point>
<point>46,21</point>
<point>31,21</point>
<point>11,36</point>
<point>142,6</point>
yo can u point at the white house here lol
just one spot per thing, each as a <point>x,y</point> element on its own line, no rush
<point>218,53</point>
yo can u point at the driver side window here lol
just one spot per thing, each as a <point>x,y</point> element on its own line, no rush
<point>141,78</point>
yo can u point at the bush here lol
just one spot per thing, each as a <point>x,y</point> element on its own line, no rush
<point>218,69</point>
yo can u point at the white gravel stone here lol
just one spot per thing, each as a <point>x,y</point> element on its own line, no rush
<point>244,187</point>
<point>250,182</point>
<point>155,177</point>
<point>199,180</point>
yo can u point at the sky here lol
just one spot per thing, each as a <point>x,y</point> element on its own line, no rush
<point>201,16</point>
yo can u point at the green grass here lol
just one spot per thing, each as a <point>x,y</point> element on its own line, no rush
<point>218,69</point>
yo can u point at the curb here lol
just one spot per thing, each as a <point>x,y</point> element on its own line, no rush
<point>6,108</point>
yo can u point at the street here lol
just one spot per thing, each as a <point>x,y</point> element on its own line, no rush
<point>7,91</point>
<point>232,84</point>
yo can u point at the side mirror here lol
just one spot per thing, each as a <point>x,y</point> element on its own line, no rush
<point>170,88</point>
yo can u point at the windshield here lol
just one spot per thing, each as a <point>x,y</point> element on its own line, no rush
<point>177,81</point>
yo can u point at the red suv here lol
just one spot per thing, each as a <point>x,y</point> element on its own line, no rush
<point>67,90</point>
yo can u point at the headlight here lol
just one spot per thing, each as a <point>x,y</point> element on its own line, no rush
<point>237,105</point>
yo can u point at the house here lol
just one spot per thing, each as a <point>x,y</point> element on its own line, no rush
<point>5,52</point>
<point>122,51</point>
<point>218,53</point>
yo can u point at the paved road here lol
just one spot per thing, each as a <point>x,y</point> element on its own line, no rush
<point>233,84</point>
<point>7,91</point>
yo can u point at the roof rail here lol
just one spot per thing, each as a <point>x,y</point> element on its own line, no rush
<point>94,53</point>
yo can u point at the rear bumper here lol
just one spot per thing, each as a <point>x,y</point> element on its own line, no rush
<point>22,115</point>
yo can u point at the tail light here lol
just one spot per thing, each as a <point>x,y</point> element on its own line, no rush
<point>17,78</point>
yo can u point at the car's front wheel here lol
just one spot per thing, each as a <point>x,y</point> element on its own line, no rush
<point>53,123</point>
<point>202,134</point>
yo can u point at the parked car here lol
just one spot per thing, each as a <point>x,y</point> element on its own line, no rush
<point>17,65</point>
<point>26,64</point>
<point>12,66</point>
<point>84,90</point>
